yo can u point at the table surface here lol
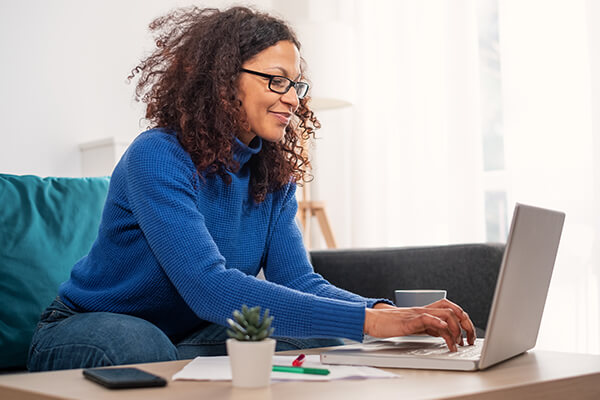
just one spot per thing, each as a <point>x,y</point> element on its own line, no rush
<point>536,374</point>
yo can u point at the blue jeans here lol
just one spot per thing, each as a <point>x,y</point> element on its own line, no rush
<point>66,339</point>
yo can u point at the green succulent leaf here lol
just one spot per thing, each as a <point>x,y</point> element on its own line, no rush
<point>254,316</point>
<point>235,326</point>
<point>239,317</point>
<point>266,323</point>
<point>236,335</point>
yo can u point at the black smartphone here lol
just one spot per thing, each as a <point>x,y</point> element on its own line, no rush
<point>123,378</point>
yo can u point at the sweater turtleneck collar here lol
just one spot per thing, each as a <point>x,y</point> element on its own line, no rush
<point>242,152</point>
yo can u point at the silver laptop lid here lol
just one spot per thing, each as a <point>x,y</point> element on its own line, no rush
<point>523,283</point>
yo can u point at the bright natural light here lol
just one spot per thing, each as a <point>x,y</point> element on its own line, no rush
<point>460,110</point>
<point>439,116</point>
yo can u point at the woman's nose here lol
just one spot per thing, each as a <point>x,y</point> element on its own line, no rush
<point>291,98</point>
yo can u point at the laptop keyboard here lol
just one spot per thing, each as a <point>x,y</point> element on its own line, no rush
<point>428,348</point>
<point>441,350</point>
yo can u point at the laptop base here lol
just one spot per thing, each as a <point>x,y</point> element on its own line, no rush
<point>407,352</point>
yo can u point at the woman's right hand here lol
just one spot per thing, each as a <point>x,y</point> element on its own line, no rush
<point>442,318</point>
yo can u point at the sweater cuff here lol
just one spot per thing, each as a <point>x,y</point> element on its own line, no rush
<point>337,318</point>
<point>371,302</point>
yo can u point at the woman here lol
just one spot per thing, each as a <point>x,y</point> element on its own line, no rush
<point>199,204</point>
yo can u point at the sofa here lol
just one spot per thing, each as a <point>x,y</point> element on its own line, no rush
<point>47,224</point>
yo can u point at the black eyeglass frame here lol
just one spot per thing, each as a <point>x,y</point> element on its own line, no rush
<point>296,85</point>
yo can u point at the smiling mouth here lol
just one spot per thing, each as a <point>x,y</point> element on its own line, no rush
<point>283,118</point>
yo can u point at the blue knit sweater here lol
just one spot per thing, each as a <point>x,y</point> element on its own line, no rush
<point>175,250</point>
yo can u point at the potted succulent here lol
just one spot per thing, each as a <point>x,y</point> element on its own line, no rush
<point>250,348</point>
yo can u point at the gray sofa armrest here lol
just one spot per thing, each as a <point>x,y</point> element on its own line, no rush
<point>468,272</point>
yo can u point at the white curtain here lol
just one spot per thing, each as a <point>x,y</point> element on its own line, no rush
<point>550,72</point>
<point>404,165</point>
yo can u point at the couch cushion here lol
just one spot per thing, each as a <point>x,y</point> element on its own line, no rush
<point>46,225</point>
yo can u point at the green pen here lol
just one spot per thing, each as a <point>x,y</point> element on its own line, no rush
<point>300,370</point>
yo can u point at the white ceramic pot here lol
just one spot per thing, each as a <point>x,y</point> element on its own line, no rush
<point>251,362</point>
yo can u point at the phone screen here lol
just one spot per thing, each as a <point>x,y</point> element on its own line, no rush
<point>122,378</point>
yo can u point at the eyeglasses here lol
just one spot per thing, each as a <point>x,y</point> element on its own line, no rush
<point>281,84</point>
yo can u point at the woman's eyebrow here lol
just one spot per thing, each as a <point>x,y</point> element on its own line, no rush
<point>285,73</point>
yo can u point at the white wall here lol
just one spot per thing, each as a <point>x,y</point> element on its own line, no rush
<point>63,77</point>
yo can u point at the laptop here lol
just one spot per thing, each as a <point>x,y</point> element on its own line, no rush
<point>515,315</point>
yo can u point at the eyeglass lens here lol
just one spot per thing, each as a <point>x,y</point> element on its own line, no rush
<point>281,85</point>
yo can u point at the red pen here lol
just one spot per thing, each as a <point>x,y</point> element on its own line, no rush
<point>298,361</point>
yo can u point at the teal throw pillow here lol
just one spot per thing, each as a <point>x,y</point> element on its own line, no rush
<point>46,225</point>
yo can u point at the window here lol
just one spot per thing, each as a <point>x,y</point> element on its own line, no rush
<point>496,218</point>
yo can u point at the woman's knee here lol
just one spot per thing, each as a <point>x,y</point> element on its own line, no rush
<point>98,339</point>
<point>206,341</point>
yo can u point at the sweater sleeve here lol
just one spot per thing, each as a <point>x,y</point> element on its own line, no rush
<point>162,194</point>
<point>287,260</point>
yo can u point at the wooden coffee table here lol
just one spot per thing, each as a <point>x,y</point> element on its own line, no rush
<point>537,374</point>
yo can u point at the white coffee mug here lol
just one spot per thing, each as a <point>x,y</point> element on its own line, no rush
<point>419,297</point>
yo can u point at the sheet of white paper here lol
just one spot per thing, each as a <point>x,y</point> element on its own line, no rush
<point>218,369</point>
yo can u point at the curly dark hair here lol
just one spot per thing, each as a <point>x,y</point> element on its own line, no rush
<point>189,84</point>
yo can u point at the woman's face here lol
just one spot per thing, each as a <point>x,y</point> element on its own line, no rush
<point>268,112</point>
